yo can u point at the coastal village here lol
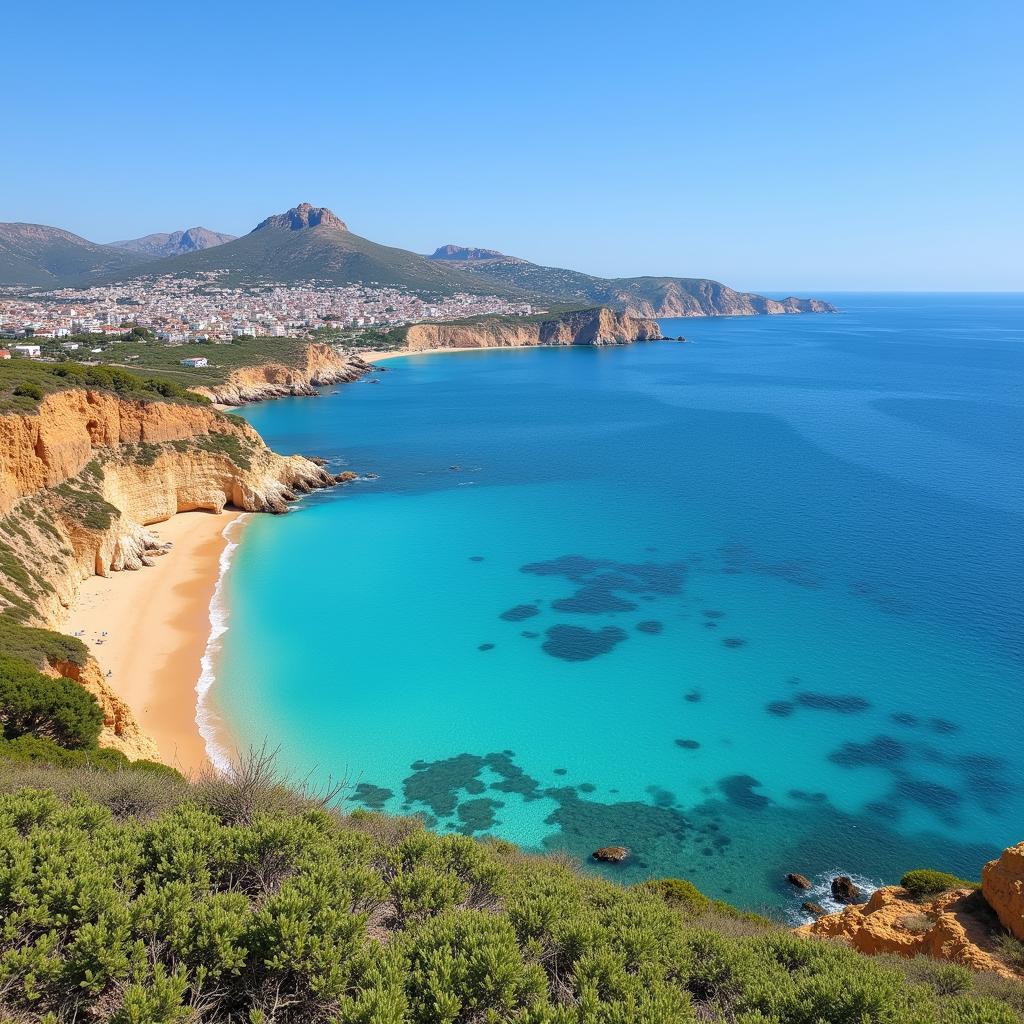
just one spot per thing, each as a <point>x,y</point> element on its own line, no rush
<point>179,310</point>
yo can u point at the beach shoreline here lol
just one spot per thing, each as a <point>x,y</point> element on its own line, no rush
<point>158,626</point>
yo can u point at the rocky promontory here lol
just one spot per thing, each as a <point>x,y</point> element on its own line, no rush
<point>320,364</point>
<point>599,326</point>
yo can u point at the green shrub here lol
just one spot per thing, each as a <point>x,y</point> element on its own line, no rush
<point>29,390</point>
<point>926,882</point>
<point>54,709</point>
<point>1011,950</point>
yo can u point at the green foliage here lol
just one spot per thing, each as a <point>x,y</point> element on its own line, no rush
<point>227,906</point>
<point>39,647</point>
<point>56,709</point>
<point>926,882</point>
<point>1011,950</point>
<point>29,390</point>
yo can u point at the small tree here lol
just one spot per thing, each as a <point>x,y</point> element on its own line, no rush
<point>32,704</point>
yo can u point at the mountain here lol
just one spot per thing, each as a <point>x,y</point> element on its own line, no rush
<point>174,243</point>
<point>460,252</point>
<point>635,296</point>
<point>35,255</point>
<point>312,243</point>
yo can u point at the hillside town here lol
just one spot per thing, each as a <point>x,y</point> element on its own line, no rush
<point>179,310</point>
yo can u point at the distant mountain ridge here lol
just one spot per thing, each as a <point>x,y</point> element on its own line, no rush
<point>39,256</point>
<point>173,243</point>
<point>635,296</point>
<point>311,243</point>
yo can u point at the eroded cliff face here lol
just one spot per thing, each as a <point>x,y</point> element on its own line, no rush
<point>582,327</point>
<point>322,364</point>
<point>1002,884</point>
<point>81,479</point>
<point>952,926</point>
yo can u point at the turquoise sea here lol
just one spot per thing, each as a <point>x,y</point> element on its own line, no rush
<point>747,605</point>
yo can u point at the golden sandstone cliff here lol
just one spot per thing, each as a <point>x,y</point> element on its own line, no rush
<point>961,925</point>
<point>83,476</point>
<point>581,327</point>
<point>321,364</point>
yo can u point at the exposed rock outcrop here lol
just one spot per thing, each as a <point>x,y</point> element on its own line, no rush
<point>950,927</point>
<point>601,326</point>
<point>321,364</point>
<point>611,854</point>
<point>1002,884</point>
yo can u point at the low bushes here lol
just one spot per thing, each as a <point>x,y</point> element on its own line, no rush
<point>220,908</point>
<point>926,882</point>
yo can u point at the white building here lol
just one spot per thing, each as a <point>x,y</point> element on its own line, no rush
<point>28,351</point>
<point>196,362</point>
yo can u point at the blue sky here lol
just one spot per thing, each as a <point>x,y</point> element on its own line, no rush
<point>785,146</point>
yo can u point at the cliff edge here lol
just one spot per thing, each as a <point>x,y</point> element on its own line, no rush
<point>599,326</point>
<point>84,475</point>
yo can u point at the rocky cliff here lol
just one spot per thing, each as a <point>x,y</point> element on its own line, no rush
<point>950,927</point>
<point>1002,883</point>
<point>82,478</point>
<point>321,364</point>
<point>654,297</point>
<point>581,327</point>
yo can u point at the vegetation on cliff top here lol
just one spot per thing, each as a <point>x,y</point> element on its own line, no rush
<point>132,898</point>
<point>25,382</point>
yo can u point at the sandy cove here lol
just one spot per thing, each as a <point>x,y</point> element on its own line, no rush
<point>157,621</point>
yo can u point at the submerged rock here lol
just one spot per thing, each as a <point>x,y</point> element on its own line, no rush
<point>813,908</point>
<point>800,881</point>
<point>611,854</point>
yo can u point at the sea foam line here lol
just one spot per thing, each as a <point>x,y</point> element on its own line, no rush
<point>207,720</point>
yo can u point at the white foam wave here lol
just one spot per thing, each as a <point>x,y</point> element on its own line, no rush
<point>821,893</point>
<point>206,718</point>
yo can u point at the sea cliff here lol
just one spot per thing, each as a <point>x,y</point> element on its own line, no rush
<point>673,298</point>
<point>320,364</point>
<point>600,326</point>
<point>82,478</point>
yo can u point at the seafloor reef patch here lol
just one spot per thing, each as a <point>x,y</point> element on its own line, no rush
<point>686,744</point>
<point>738,558</point>
<point>651,626</point>
<point>577,643</point>
<point>371,796</point>
<point>519,612</point>
<point>734,641</point>
<point>739,790</point>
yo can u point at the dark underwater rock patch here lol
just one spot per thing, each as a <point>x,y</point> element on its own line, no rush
<point>943,726</point>
<point>693,697</point>
<point>437,784</point>
<point>529,634</point>
<point>371,796</point>
<point>651,626</point>
<point>478,815</point>
<point>713,613</point>
<point>839,703</point>
<point>739,790</point>
<point>486,647</point>
<point>738,558</point>
<point>780,708</point>
<point>734,641</point>
<point>577,643</point>
<point>881,751</point>
<point>688,744</point>
<point>476,558</point>
<point>904,718</point>
<point>519,612</point>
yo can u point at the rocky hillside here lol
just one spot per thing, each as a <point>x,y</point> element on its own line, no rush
<point>600,326</point>
<point>315,365</point>
<point>635,296</point>
<point>173,243</point>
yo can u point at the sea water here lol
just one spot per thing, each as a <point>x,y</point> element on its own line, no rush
<point>746,605</point>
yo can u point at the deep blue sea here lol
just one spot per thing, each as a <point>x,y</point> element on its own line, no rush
<point>747,605</point>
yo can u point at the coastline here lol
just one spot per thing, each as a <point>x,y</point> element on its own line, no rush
<point>161,622</point>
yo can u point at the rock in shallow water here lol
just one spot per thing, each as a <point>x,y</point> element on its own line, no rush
<point>611,854</point>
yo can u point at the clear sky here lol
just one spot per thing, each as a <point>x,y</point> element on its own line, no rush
<point>781,146</point>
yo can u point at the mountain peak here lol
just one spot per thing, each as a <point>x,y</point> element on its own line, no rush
<point>303,216</point>
<point>462,252</point>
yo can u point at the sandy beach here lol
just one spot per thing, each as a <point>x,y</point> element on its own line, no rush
<point>157,625</point>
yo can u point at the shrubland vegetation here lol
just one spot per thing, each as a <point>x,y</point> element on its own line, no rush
<point>133,898</point>
<point>925,882</point>
<point>25,382</point>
